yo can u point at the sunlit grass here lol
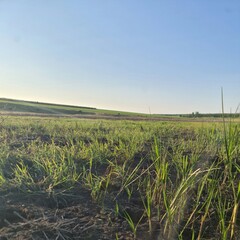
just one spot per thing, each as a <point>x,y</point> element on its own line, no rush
<point>186,175</point>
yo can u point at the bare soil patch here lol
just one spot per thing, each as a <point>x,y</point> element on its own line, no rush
<point>66,215</point>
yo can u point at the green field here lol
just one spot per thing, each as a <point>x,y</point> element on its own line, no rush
<point>11,105</point>
<point>20,107</point>
<point>65,178</point>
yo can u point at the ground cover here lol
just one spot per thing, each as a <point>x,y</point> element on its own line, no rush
<point>105,179</point>
<point>19,106</point>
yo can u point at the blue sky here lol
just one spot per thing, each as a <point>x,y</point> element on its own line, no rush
<point>163,56</point>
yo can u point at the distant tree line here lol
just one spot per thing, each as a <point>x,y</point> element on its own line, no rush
<point>215,115</point>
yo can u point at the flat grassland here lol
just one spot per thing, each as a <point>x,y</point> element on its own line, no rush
<point>69,178</point>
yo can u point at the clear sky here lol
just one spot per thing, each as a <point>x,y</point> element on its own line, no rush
<point>160,56</point>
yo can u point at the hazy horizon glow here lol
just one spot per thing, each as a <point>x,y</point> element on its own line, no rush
<point>139,56</point>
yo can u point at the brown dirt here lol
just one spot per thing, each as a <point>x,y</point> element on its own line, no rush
<point>66,215</point>
<point>71,214</point>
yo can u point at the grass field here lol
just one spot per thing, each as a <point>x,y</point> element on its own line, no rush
<point>11,105</point>
<point>30,108</point>
<point>104,179</point>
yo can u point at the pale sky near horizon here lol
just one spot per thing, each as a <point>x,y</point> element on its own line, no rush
<point>165,56</point>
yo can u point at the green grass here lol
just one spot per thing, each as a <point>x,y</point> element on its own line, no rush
<point>20,107</point>
<point>185,175</point>
<point>10,105</point>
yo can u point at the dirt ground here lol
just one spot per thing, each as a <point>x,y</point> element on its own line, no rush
<point>67,215</point>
